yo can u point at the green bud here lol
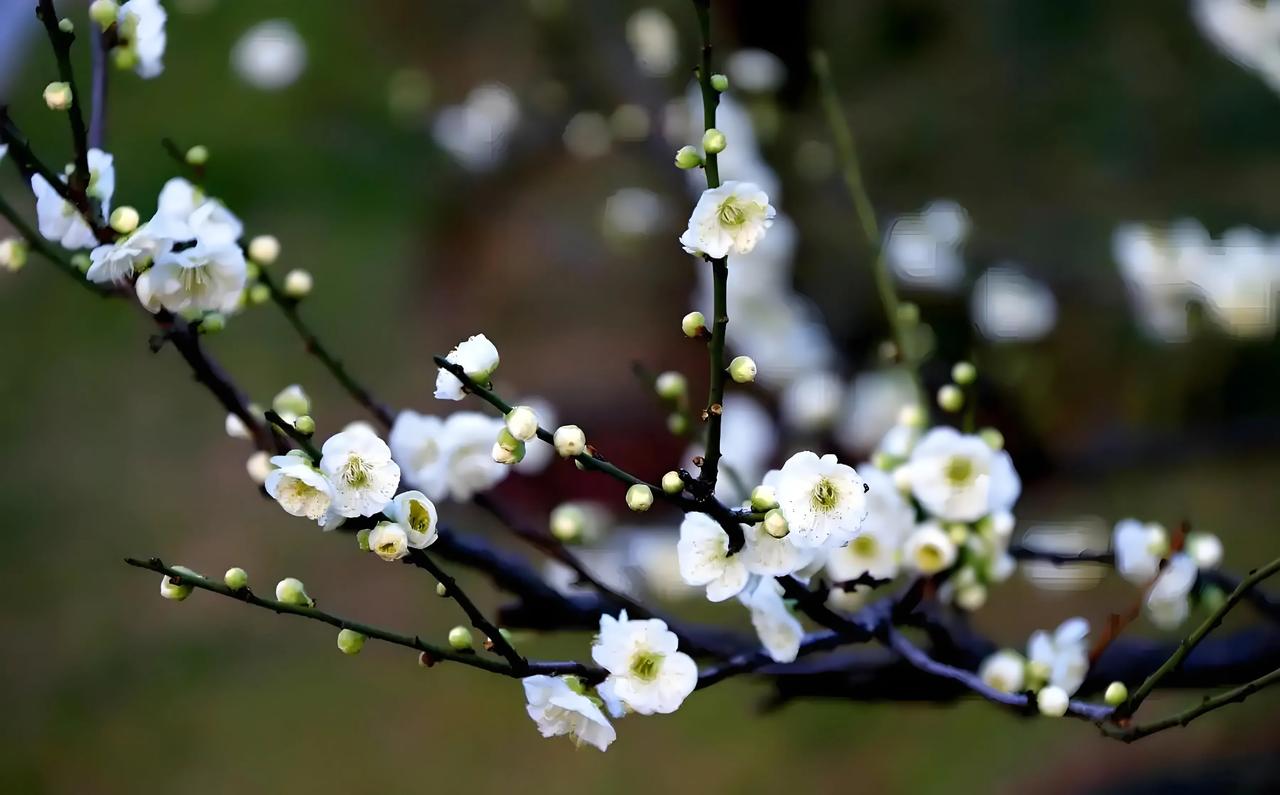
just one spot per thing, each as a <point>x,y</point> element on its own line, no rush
<point>305,424</point>
<point>507,441</point>
<point>713,141</point>
<point>350,641</point>
<point>291,591</point>
<point>460,638</point>
<point>1116,694</point>
<point>198,155</point>
<point>950,398</point>
<point>263,249</point>
<point>441,591</point>
<point>993,438</point>
<point>964,373</point>
<point>693,324</point>
<point>81,261</point>
<point>670,385</point>
<point>66,26</point>
<point>362,539</point>
<point>259,294</point>
<point>236,578</point>
<point>57,96</point>
<point>908,313</point>
<point>720,83</point>
<point>678,424</point>
<point>124,58</point>
<point>177,590</point>
<point>13,254</point>
<point>104,12</point>
<point>775,524</point>
<point>298,283</point>
<point>568,522</point>
<point>763,498</point>
<point>124,220</point>
<point>639,497</point>
<point>687,157</point>
<point>212,323</point>
<point>742,369</point>
<point>672,483</point>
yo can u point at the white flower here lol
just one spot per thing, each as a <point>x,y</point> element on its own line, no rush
<point>875,550</point>
<point>469,468</point>
<point>559,709</point>
<point>417,514</point>
<point>823,501</point>
<point>1167,604</point>
<point>647,673</point>
<point>205,277</point>
<point>478,358</point>
<point>1139,548</point>
<point>779,631</point>
<point>299,488</point>
<point>58,219</point>
<point>1004,670</point>
<point>359,467</point>
<point>929,549</point>
<point>927,250</point>
<point>1205,549</point>
<point>389,541</point>
<point>773,557</point>
<point>1053,701</point>
<point>1061,659</point>
<point>730,218</point>
<point>117,261</point>
<point>417,446</point>
<point>184,213</point>
<point>704,557</point>
<point>270,56</point>
<point>959,478</point>
<point>142,27</point>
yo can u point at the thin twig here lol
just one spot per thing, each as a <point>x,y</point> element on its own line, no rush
<point>478,620</point>
<point>1209,704</point>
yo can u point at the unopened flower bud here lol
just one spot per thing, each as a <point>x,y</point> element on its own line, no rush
<point>908,313</point>
<point>298,283</point>
<point>66,26</point>
<point>441,591</point>
<point>1205,549</point>
<point>350,641</point>
<point>902,479</point>
<point>950,398</point>
<point>264,249</point>
<point>1053,701</point>
<point>993,438</point>
<point>259,294</point>
<point>1116,694</point>
<point>81,261</point>
<point>912,416</point>
<point>672,483</point>
<point>763,498</point>
<point>742,369</point>
<point>971,597</point>
<point>775,524</point>
<point>460,638</point>
<point>124,220</point>
<point>957,533</point>
<point>687,157</point>
<point>124,58</point>
<point>678,424</point>
<point>305,425</point>
<point>258,466</point>
<point>198,155</point>
<point>291,402</point>
<point>713,141</point>
<point>57,96</point>
<point>569,441</point>
<point>104,12</point>
<point>522,422</point>
<point>212,323</point>
<point>13,253</point>
<point>509,452</point>
<point>693,324</point>
<point>670,385</point>
<point>568,522</point>
<point>291,591</point>
<point>720,83</point>
<point>179,589</point>
<point>236,578</point>
<point>964,373</point>
<point>639,497</point>
<point>362,538</point>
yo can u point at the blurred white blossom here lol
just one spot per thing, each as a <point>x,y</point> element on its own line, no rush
<point>270,55</point>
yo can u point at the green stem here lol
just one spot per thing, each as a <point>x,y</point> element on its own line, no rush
<point>1235,695</point>
<point>1191,641</point>
<point>433,652</point>
<point>851,170</point>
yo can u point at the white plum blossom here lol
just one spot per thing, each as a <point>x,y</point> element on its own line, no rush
<point>1060,659</point>
<point>389,541</point>
<point>300,488</point>
<point>779,631</point>
<point>478,358</point>
<point>704,557</point>
<point>959,478</point>
<point>416,442</point>
<point>929,549</point>
<point>58,219</point>
<point>876,549</point>
<point>113,262</point>
<point>1139,547</point>
<point>141,26</point>
<point>270,56</point>
<point>449,458</point>
<point>205,277</point>
<point>1167,602</point>
<point>926,250</point>
<point>647,672</point>
<point>773,557</point>
<point>417,515</point>
<point>732,218</point>
<point>359,467</point>
<point>823,501</point>
<point>1205,549</point>
<point>558,708</point>
<point>1005,670</point>
<point>185,213</point>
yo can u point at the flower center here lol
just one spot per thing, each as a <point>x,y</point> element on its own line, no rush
<point>958,470</point>
<point>865,546</point>
<point>419,516</point>
<point>356,472</point>
<point>645,665</point>
<point>929,558</point>
<point>387,547</point>
<point>731,214</point>
<point>825,495</point>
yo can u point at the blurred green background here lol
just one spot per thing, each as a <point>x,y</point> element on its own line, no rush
<point>1050,122</point>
